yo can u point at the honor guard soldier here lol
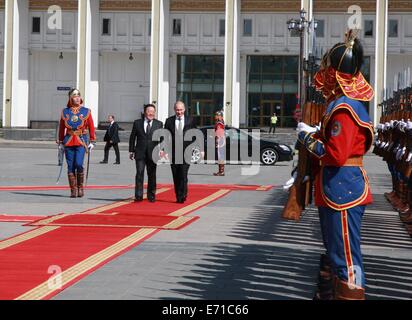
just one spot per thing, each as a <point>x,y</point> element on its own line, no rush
<point>220,141</point>
<point>341,185</point>
<point>77,135</point>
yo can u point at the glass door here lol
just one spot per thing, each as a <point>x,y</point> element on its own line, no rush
<point>269,107</point>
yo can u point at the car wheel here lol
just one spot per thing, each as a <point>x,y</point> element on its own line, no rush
<point>196,156</point>
<point>269,157</point>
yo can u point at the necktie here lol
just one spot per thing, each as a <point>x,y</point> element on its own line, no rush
<point>148,127</point>
<point>180,126</point>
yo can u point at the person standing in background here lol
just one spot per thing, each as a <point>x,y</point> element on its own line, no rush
<point>220,139</point>
<point>112,140</point>
<point>273,121</point>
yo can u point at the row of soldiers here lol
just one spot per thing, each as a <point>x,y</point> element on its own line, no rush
<point>394,145</point>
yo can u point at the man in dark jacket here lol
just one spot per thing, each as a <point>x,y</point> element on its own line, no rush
<point>141,149</point>
<point>178,125</point>
<point>112,140</point>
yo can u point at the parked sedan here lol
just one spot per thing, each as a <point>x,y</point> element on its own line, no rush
<point>268,152</point>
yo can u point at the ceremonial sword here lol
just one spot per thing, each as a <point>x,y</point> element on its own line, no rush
<point>88,165</point>
<point>61,157</point>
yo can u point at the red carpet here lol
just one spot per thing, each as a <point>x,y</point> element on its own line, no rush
<point>25,266</point>
<point>117,220</point>
<point>26,259</point>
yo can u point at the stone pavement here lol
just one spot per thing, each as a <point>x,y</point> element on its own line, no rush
<point>240,248</point>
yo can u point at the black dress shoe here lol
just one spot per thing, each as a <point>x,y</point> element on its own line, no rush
<point>103,161</point>
<point>151,199</point>
<point>139,199</point>
<point>179,200</point>
<point>116,163</point>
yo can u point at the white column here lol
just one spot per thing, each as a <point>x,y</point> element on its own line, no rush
<point>308,6</point>
<point>16,65</point>
<point>231,91</point>
<point>88,54</point>
<point>159,58</point>
<point>380,57</point>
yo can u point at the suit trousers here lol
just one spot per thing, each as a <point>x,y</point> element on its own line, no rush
<point>180,172</point>
<point>116,150</point>
<point>151,177</point>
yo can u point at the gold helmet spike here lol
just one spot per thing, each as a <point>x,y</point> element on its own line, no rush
<point>350,37</point>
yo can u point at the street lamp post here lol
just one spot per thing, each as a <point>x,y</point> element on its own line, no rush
<point>301,26</point>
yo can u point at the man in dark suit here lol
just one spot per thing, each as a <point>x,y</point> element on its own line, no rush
<point>141,149</point>
<point>112,140</point>
<point>178,125</point>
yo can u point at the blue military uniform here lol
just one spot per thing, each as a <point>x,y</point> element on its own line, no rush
<point>341,184</point>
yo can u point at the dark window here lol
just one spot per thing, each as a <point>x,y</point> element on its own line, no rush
<point>177,27</point>
<point>106,27</point>
<point>35,25</point>
<point>247,27</point>
<point>368,28</point>
<point>272,86</point>
<point>393,29</point>
<point>222,27</point>
<point>149,32</point>
<point>320,30</point>
<point>200,85</point>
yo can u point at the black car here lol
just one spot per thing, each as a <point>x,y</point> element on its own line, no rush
<point>269,152</point>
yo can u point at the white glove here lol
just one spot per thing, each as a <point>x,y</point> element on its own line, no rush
<point>409,125</point>
<point>398,154</point>
<point>403,151</point>
<point>290,182</point>
<point>304,127</point>
<point>61,146</point>
<point>90,146</point>
<point>402,125</point>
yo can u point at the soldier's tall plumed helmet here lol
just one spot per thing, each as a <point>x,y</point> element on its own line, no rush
<point>341,70</point>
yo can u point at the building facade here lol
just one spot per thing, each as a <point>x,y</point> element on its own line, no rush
<point>233,55</point>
